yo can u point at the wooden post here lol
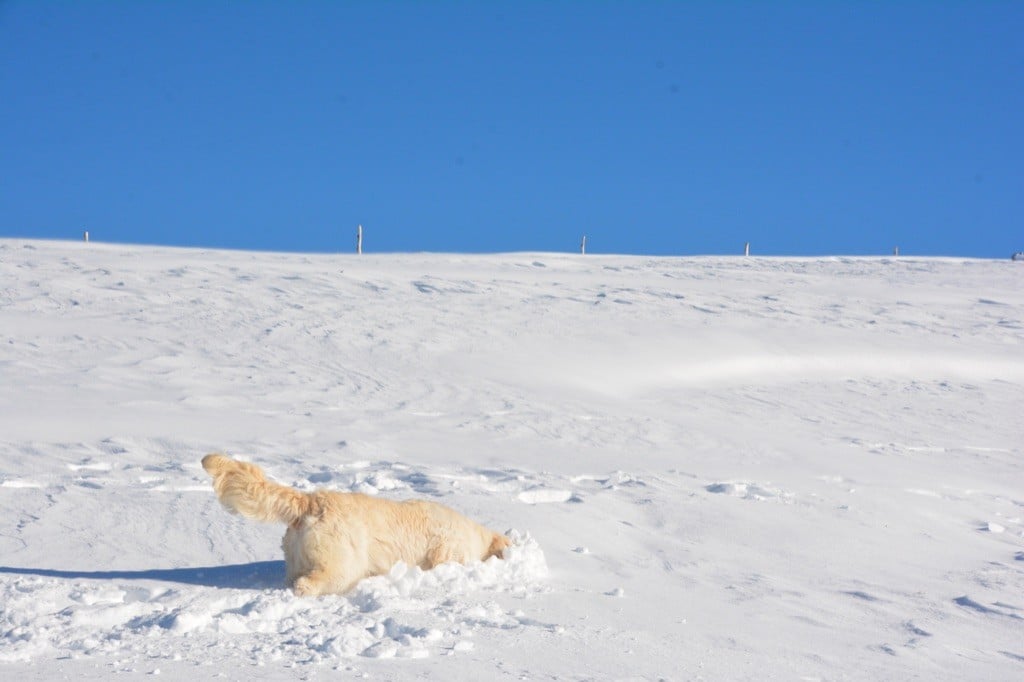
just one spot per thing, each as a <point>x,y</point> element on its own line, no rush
<point>583,246</point>
<point>746,249</point>
<point>359,240</point>
<point>87,235</point>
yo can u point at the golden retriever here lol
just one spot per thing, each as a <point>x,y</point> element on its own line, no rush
<point>336,539</point>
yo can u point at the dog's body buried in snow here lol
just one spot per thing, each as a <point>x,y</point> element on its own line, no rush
<point>336,539</point>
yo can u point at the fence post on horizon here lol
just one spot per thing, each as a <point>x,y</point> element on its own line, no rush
<point>359,240</point>
<point>86,235</point>
<point>583,246</point>
<point>746,249</point>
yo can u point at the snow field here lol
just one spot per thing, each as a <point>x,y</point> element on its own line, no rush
<point>718,468</point>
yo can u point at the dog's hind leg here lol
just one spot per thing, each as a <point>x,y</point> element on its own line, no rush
<point>319,581</point>
<point>313,584</point>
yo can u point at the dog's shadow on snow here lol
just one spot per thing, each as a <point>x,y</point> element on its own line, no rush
<point>259,575</point>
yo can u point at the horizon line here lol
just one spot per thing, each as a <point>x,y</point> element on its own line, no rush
<point>1013,256</point>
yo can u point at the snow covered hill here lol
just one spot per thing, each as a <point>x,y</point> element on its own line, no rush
<point>714,468</point>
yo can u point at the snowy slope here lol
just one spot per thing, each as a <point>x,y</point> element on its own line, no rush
<point>718,468</point>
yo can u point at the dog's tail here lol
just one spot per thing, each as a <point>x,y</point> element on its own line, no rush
<point>243,489</point>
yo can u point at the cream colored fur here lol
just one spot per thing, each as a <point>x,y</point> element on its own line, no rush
<point>336,539</point>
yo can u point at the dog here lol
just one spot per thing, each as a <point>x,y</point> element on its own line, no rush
<point>336,539</point>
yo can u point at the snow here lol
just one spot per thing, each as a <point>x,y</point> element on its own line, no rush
<point>717,468</point>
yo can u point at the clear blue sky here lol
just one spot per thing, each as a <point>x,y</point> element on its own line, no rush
<point>653,127</point>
